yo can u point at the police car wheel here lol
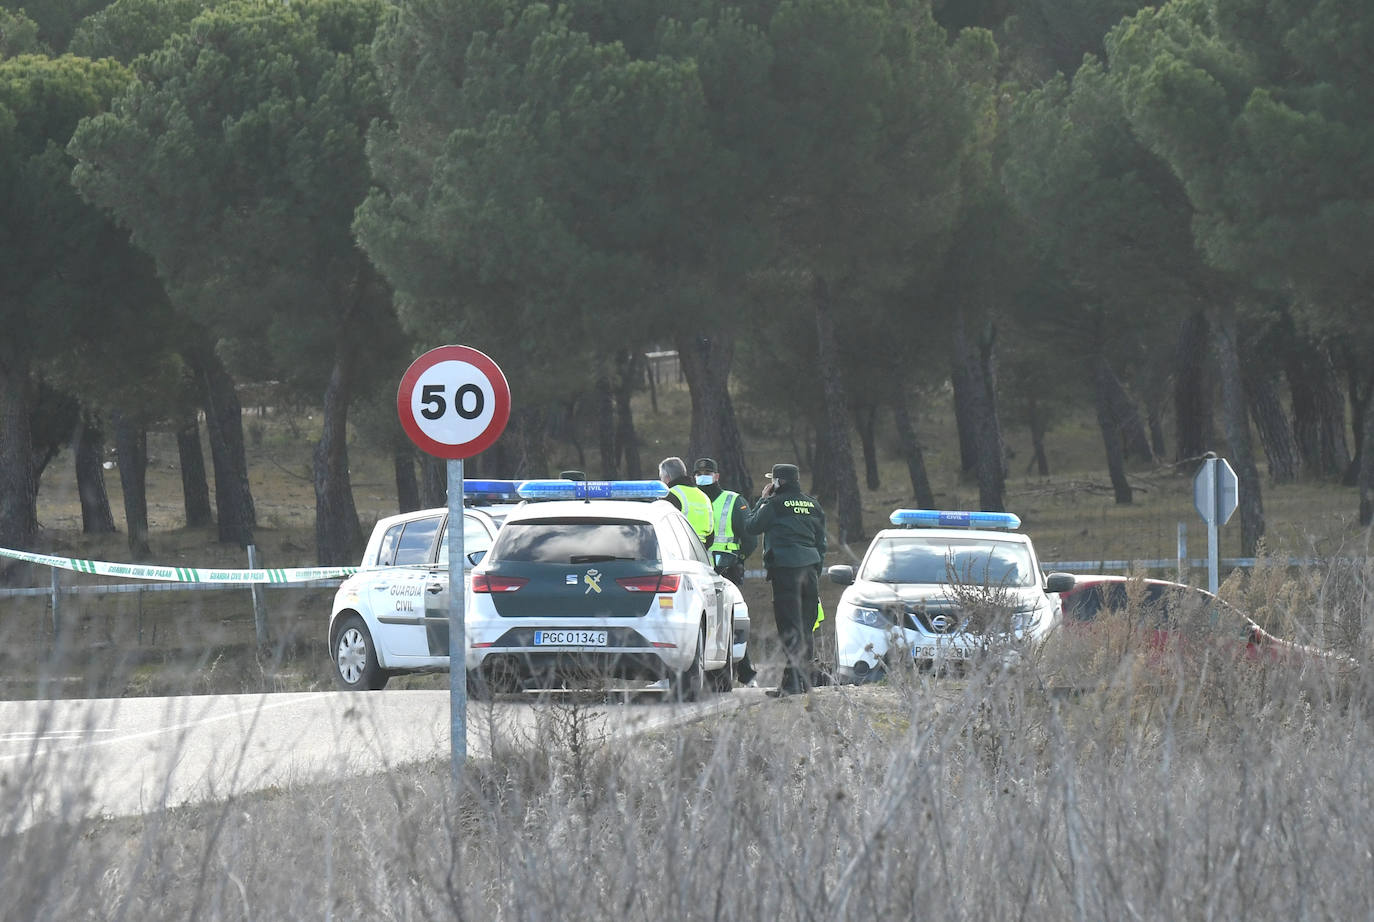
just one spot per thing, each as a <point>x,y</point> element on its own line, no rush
<point>687,685</point>
<point>355,657</point>
<point>723,679</point>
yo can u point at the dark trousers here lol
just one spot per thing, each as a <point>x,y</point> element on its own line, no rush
<point>744,669</point>
<point>795,591</point>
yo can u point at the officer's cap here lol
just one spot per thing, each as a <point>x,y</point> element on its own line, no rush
<point>786,473</point>
<point>706,466</point>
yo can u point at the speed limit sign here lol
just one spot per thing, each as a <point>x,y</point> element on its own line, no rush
<point>453,402</point>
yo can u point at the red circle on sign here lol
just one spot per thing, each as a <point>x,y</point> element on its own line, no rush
<point>453,402</point>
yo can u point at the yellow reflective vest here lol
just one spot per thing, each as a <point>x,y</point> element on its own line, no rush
<point>696,507</point>
<point>723,510</point>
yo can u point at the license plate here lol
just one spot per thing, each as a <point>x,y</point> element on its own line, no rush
<point>942,651</point>
<point>570,638</point>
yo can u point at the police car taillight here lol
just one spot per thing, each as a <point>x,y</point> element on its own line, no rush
<point>664,582</point>
<point>483,582</point>
<point>939,518</point>
<point>592,489</point>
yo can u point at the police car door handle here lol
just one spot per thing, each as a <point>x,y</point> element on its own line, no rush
<point>434,588</point>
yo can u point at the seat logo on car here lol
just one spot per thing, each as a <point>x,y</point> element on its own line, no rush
<point>942,624</point>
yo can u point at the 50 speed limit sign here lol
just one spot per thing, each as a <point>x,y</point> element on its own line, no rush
<point>453,402</point>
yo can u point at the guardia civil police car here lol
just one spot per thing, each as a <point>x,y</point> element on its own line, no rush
<point>384,618</point>
<point>587,581</point>
<point>941,588</point>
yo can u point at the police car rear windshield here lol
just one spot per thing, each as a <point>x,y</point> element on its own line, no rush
<point>911,558</point>
<point>569,541</point>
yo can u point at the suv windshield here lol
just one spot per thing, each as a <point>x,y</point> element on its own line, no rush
<point>574,541</point>
<point>967,561</point>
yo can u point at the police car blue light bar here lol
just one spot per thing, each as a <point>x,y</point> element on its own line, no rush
<point>504,489</point>
<point>592,489</point>
<point>939,518</point>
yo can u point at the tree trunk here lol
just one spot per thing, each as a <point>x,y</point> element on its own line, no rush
<point>1366,478</point>
<point>338,536</point>
<point>1036,420</point>
<point>18,488</point>
<point>849,510</point>
<point>867,418</point>
<point>433,481</point>
<point>1110,424</point>
<point>1266,408</point>
<point>629,370</point>
<point>88,445</point>
<point>131,451</point>
<point>1135,441</point>
<point>963,417</point>
<point>705,362</point>
<point>823,485</point>
<point>1318,411</point>
<point>407,486</point>
<point>605,428</point>
<point>975,357</point>
<point>224,425</point>
<point>1193,385</point>
<point>911,450</point>
<point>1236,420</point>
<point>1359,380</point>
<point>195,489</point>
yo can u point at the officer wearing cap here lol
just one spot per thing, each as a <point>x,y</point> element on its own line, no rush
<point>683,493</point>
<point>793,529</point>
<point>732,545</point>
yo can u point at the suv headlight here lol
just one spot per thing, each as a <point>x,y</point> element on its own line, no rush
<point>1025,620</point>
<point>866,615</point>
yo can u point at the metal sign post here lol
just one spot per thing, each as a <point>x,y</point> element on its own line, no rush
<point>453,403</point>
<point>1216,493</point>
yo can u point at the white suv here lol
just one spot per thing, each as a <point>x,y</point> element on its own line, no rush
<point>942,588</point>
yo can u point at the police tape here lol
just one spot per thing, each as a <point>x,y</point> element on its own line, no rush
<point>181,574</point>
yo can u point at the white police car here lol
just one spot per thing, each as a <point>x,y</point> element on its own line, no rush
<point>588,582</point>
<point>384,617</point>
<point>942,587</point>
<point>604,586</point>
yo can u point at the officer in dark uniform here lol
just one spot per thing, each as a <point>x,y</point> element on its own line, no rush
<point>733,544</point>
<point>793,529</point>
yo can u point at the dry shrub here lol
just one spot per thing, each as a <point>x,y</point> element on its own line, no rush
<point>1175,787</point>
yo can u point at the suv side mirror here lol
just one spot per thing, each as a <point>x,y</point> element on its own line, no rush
<point>1059,582</point>
<point>841,573</point>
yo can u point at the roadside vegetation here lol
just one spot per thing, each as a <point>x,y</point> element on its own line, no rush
<point>1216,789</point>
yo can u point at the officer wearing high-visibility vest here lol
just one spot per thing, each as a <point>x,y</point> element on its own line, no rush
<point>733,544</point>
<point>685,495</point>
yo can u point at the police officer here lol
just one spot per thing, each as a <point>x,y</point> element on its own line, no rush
<point>683,493</point>
<point>793,529</point>
<point>729,511</point>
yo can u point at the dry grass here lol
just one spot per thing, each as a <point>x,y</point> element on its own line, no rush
<point>1249,796</point>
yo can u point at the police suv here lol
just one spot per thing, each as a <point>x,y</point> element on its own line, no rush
<point>585,581</point>
<point>942,588</point>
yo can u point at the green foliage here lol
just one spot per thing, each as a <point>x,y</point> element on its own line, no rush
<point>1263,111</point>
<point>237,162</point>
<point>52,267</point>
<point>18,34</point>
<point>128,28</point>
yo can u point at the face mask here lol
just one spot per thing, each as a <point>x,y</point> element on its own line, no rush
<point>705,480</point>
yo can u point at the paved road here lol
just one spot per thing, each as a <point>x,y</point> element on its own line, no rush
<point>139,754</point>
